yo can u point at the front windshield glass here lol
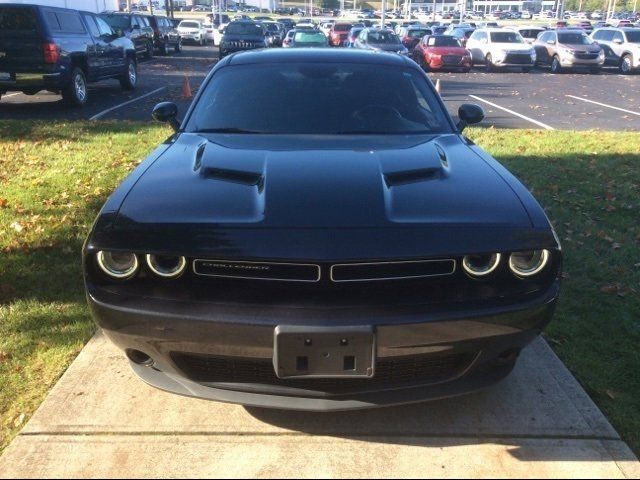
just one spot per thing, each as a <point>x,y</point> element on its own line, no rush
<point>323,99</point>
<point>506,37</point>
<point>121,22</point>
<point>443,41</point>
<point>382,37</point>
<point>244,28</point>
<point>189,25</point>
<point>574,39</point>
<point>310,38</point>
<point>418,33</point>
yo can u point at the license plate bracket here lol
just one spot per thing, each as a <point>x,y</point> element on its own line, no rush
<point>324,352</point>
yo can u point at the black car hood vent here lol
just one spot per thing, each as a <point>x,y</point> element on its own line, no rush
<point>395,179</point>
<point>226,168</point>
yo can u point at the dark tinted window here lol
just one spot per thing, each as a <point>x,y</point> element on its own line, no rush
<point>122,22</point>
<point>244,28</point>
<point>326,98</point>
<point>70,22</point>
<point>418,33</point>
<point>342,27</point>
<point>17,20</point>
<point>104,27</point>
<point>382,37</point>
<point>506,37</point>
<point>633,36</point>
<point>443,41</point>
<point>574,39</point>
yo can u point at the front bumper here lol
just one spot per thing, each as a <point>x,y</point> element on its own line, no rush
<point>491,338</point>
<point>568,61</point>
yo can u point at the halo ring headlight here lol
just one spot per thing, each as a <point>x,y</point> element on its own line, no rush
<point>481,265</point>
<point>166,266</point>
<point>528,263</point>
<point>119,265</point>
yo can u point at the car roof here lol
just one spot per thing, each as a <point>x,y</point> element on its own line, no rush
<point>319,55</point>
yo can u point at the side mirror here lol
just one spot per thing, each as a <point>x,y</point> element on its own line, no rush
<point>167,112</point>
<point>469,114</point>
<point>618,41</point>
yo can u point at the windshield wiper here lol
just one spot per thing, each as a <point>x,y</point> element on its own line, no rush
<point>227,130</point>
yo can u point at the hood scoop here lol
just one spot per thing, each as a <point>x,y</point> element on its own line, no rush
<point>431,164</point>
<point>217,163</point>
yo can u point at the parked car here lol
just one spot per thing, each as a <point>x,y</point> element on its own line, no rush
<point>165,36</point>
<point>135,27</point>
<point>193,31</point>
<point>567,50</point>
<point>378,39</point>
<point>287,22</point>
<point>442,52</point>
<point>242,35</point>
<point>414,266</point>
<point>275,32</point>
<point>353,35</point>
<point>61,50</point>
<point>462,34</point>
<point>412,34</point>
<point>309,38</point>
<point>621,47</point>
<point>339,34</point>
<point>288,38</point>
<point>498,48</point>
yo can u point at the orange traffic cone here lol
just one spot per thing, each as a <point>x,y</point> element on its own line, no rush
<point>438,86</point>
<point>186,88</point>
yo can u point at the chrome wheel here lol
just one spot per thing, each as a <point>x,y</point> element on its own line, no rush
<point>80,88</point>
<point>133,75</point>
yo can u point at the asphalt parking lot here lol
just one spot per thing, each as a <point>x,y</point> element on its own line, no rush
<point>511,99</point>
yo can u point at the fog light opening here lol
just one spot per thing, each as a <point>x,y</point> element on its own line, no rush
<point>140,358</point>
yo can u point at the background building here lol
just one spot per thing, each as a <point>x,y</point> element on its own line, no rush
<point>87,5</point>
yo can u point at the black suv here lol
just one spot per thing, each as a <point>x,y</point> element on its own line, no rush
<point>242,35</point>
<point>165,35</point>
<point>135,27</point>
<point>60,50</point>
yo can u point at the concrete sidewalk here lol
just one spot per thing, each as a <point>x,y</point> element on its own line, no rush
<point>100,421</point>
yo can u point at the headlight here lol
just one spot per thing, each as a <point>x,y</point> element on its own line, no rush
<point>120,265</point>
<point>167,266</point>
<point>527,264</point>
<point>481,265</point>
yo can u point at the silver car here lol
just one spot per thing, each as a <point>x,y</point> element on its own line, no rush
<point>568,49</point>
<point>621,47</point>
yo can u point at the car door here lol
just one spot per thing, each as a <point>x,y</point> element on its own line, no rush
<point>115,58</point>
<point>475,45</point>
<point>137,35</point>
<point>97,55</point>
<point>604,38</point>
<point>549,47</point>
<point>617,46</point>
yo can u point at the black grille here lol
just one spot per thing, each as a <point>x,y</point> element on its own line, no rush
<point>518,59</point>
<point>357,272</point>
<point>451,59</point>
<point>392,372</point>
<point>587,56</point>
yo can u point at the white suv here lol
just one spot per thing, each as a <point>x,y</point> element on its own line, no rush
<point>621,47</point>
<point>496,48</point>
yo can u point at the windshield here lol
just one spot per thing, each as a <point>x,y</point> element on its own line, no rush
<point>633,36</point>
<point>418,33</point>
<point>342,27</point>
<point>243,29</point>
<point>311,38</point>
<point>121,22</point>
<point>324,99</point>
<point>382,37</point>
<point>574,39</point>
<point>271,27</point>
<point>506,37</point>
<point>189,25</point>
<point>443,41</point>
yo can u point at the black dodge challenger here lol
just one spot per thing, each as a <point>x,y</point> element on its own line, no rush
<point>319,235</point>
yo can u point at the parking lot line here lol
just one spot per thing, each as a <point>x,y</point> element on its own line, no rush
<point>605,105</point>
<point>540,124</point>
<point>109,110</point>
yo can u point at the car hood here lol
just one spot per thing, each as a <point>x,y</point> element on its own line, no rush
<point>322,182</point>
<point>581,47</point>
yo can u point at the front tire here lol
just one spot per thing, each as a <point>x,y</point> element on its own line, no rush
<point>626,65</point>
<point>178,47</point>
<point>164,47</point>
<point>149,53</point>
<point>76,94</point>
<point>489,63</point>
<point>556,66</point>
<point>129,80</point>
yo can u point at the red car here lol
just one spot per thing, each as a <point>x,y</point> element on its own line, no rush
<point>442,52</point>
<point>339,34</point>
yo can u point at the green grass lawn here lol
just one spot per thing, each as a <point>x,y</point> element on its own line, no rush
<point>54,177</point>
